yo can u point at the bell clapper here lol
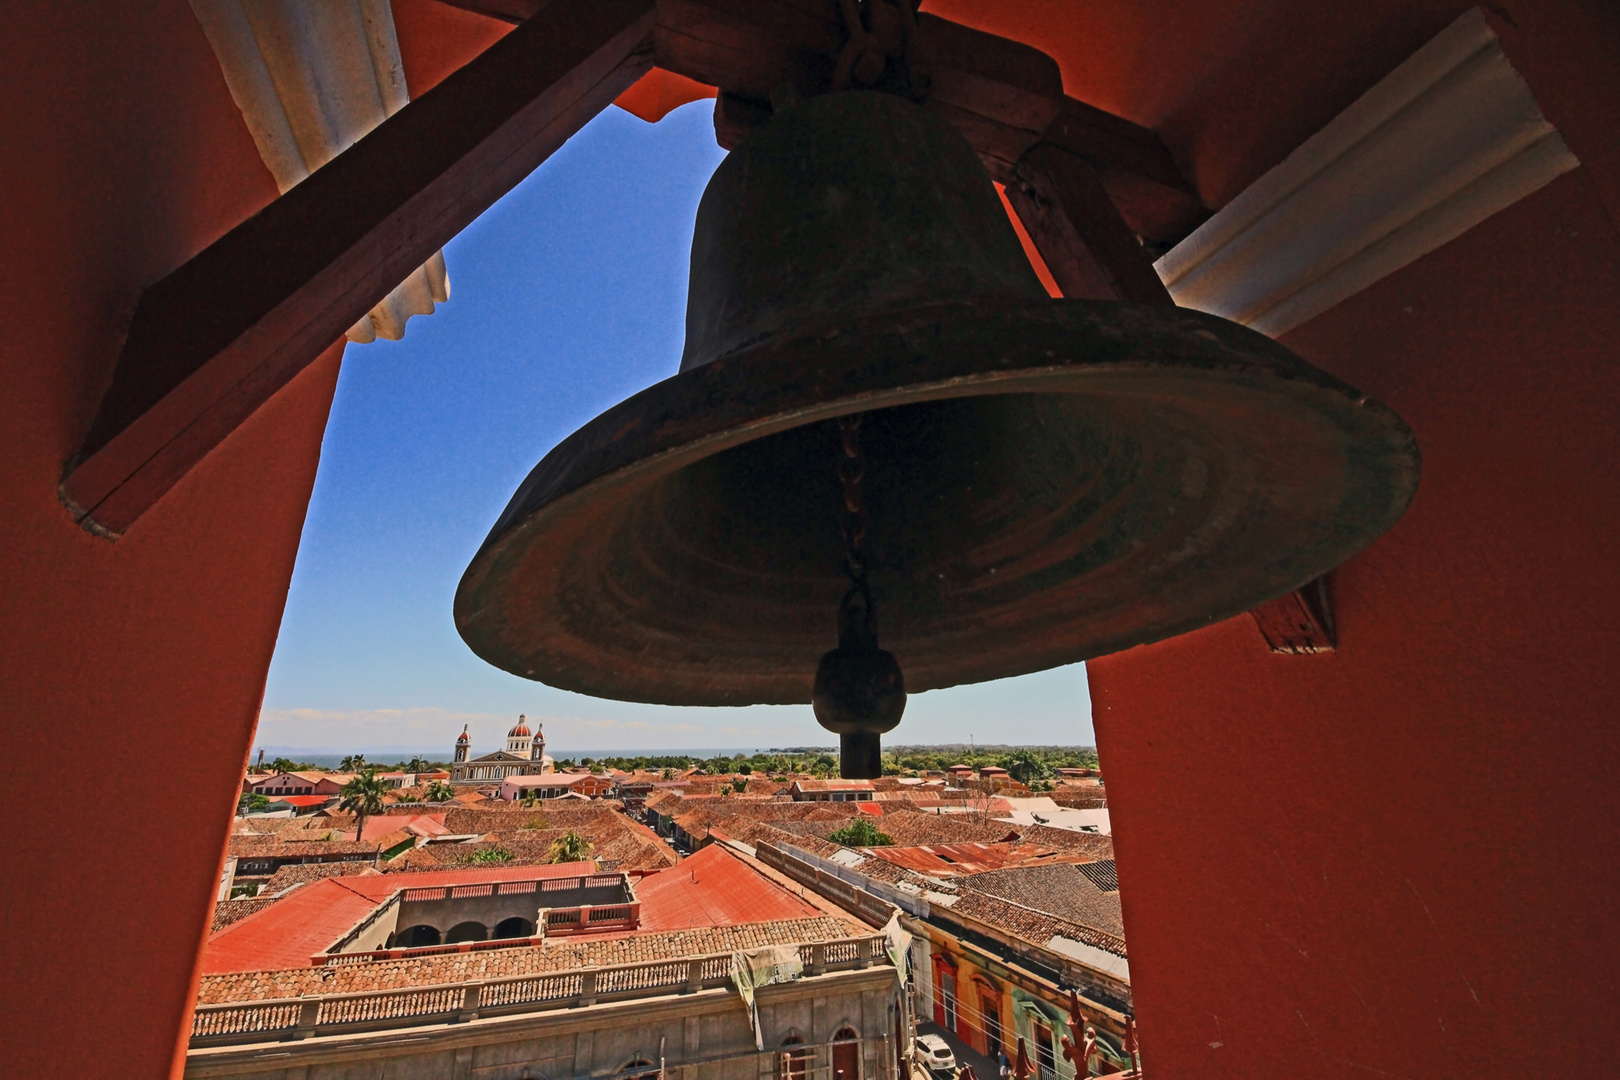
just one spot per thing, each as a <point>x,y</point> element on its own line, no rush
<point>859,690</point>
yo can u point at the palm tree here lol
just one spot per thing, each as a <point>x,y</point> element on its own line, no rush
<point>570,847</point>
<point>416,765</point>
<point>364,795</point>
<point>353,763</point>
<point>439,791</point>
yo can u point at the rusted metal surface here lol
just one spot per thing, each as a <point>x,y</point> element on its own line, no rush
<point>1046,480</point>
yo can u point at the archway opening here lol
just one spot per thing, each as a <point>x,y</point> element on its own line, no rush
<point>467,931</point>
<point>793,1064</point>
<point>417,937</point>
<point>846,1055</point>
<point>515,927</point>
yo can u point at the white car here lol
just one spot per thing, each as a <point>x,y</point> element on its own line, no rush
<point>935,1054</point>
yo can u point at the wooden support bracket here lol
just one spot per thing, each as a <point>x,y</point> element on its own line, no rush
<point>215,339</point>
<point>1299,624</point>
<point>1003,95</point>
<point>1086,245</point>
<point>1092,254</point>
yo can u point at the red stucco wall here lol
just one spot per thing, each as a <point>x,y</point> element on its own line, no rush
<point>1403,857</point>
<point>142,659</point>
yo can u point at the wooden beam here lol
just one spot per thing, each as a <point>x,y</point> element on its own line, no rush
<point>1090,250</point>
<point>1299,624</point>
<point>215,339</point>
<point>1093,254</point>
<point>1003,95</point>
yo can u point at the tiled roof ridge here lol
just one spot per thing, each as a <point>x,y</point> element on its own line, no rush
<point>1090,935</point>
<point>562,955</point>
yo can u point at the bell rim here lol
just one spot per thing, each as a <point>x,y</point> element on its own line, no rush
<point>675,422</point>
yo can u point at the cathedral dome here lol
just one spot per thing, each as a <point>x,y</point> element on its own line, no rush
<point>521,731</point>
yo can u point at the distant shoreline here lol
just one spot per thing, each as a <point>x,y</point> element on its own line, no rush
<point>390,754</point>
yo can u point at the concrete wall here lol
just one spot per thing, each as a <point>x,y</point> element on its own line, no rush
<point>706,1035</point>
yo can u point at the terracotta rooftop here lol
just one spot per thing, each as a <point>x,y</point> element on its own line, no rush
<point>557,955</point>
<point>288,932</point>
<point>832,785</point>
<point>1039,927</point>
<point>1093,845</point>
<point>247,847</point>
<point>303,873</point>
<point>914,829</point>
<point>971,858</point>
<point>1062,890</point>
<point>715,888</point>
<point>378,826</point>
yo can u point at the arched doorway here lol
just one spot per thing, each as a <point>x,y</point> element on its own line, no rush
<point>846,1055</point>
<point>638,1069</point>
<point>515,927</point>
<point>792,1064</point>
<point>467,931</point>
<point>417,937</point>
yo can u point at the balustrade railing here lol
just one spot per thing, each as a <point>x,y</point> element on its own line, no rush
<point>294,1018</point>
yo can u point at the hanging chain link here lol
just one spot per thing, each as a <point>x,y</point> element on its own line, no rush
<point>851,468</point>
<point>852,518</point>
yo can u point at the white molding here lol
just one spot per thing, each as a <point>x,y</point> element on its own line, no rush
<point>311,77</point>
<point>1447,139</point>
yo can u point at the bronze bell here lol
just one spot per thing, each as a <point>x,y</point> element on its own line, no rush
<point>1043,481</point>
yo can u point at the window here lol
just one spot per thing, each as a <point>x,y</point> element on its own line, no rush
<point>947,985</point>
<point>1045,1059</point>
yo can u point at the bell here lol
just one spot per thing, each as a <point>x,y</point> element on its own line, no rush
<point>1041,481</point>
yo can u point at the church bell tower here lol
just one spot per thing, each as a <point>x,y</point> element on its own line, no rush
<point>463,742</point>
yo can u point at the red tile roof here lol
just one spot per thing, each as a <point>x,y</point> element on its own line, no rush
<point>378,826</point>
<point>290,931</point>
<point>952,859</point>
<point>830,785</point>
<point>714,888</point>
<point>561,954</point>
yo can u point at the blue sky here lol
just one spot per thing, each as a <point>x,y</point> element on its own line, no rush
<point>566,297</point>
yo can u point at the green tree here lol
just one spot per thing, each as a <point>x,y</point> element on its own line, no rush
<point>439,791</point>
<point>415,765</point>
<point>364,795</point>
<point>570,847</point>
<point>1026,766</point>
<point>861,833</point>
<point>490,855</point>
<point>740,784</point>
<point>251,802</point>
<point>353,763</point>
